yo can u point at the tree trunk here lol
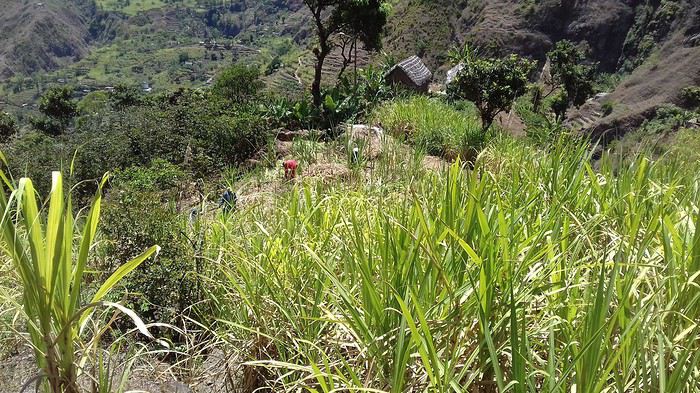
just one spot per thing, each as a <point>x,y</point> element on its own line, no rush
<point>318,74</point>
<point>321,52</point>
<point>486,122</point>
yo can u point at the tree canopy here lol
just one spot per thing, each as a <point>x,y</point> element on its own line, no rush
<point>238,84</point>
<point>569,73</point>
<point>491,84</point>
<point>57,103</point>
<point>8,126</point>
<point>343,23</point>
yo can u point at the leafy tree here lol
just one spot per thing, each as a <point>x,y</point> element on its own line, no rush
<point>124,96</point>
<point>8,127</point>
<point>491,84</point>
<point>238,84</point>
<point>570,74</point>
<point>59,108</point>
<point>339,21</point>
<point>57,103</point>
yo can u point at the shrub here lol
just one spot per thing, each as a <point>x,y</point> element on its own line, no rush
<point>139,211</point>
<point>188,128</point>
<point>124,96</point>
<point>59,107</point>
<point>607,107</point>
<point>492,85</point>
<point>238,84</point>
<point>691,96</point>
<point>8,127</point>
<point>35,155</point>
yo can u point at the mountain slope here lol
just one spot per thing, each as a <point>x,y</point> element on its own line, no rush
<point>670,66</point>
<point>40,36</point>
<point>653,42</point>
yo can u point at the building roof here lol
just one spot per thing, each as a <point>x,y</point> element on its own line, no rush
<point>415,69</point>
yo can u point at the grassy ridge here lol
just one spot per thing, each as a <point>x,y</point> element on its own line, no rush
<point>530,273</point>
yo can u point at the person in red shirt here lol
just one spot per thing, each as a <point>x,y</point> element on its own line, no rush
<point>290,169</point>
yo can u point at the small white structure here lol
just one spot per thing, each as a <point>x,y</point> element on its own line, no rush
<point>453,72</point>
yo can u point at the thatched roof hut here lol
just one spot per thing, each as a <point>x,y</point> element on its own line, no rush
<point>410,73</point>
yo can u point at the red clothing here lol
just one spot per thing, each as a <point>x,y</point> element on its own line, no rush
<point>290,169</point>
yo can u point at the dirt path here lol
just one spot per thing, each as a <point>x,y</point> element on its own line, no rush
<point>296,72</point>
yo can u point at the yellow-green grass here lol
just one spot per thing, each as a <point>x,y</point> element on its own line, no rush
<point>432,125</point>
<point>533,272</point>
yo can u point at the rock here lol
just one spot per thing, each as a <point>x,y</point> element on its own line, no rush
<point>692,41</point>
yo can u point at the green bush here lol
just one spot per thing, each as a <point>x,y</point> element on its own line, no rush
<point>607,107</point>
<point>8,127</point>
<point>59,108</point>
<point>35,155</point>
<point>238,84</point>
<point>138,211</point>
<point>188,128</point>
<point>691,96</point>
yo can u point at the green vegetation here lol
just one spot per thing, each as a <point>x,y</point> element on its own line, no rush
<point>492,85</point>
<point>607,107</point>
<point>238,84</point>
<point>435,253</point>
<point>347,21</point>
<point>656,135</point>
<point>198,131</point>
<point>133,7</point>
<point>8,126</point>
<point>59,109</point>
<point>575,79</point>
<point>52,276</point>
<point>691,96</point>
<point>433,126</point>
<point>653,20</point>
<point>159,292</point>
<point>532,271</point>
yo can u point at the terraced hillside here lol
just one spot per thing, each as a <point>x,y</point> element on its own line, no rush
<point>160,43</point>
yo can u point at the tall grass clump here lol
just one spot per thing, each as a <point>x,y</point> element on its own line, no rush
<point>433,125</point>
<point>533,272</point>
<point>49,252</point>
